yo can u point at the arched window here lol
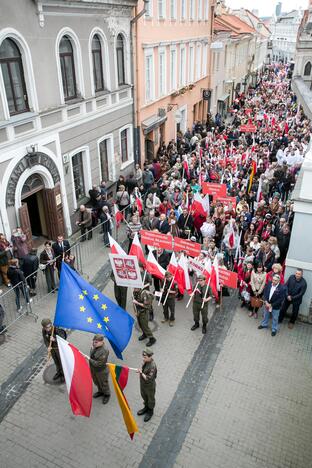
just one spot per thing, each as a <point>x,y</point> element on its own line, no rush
<point>68,69</point>
<point>97,64</point>
<point>120,53</point>
<point>13,77</point>
<point>307,69</point>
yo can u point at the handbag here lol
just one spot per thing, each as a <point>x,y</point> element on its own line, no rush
<point>256,302</point>
<point>245,295</point>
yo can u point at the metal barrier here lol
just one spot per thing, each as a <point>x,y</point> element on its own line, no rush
<point>89,256</point>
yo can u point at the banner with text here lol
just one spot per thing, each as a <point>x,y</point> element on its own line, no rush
<point>156,239</point>
<point>187,246</point>
<point>228,278</point>
<point>225,201</point>
<point>211,188</point>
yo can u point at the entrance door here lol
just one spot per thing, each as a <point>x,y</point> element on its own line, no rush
<point>25,223</point>
<point>54,211</point>
<point>149,149</point>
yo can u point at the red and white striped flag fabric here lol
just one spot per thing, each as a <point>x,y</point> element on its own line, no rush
<point>115,247</point>
<point>232,235</point>
<point>199,205</point>
<point>259,191</point>
<point>177,272</point>
<point>77,377</point>
<point>153,267</point>
<point>139,204</point>
<point>207,269</point>
<point>186,168</point>
<point>118,215</point>
<point>136,249</point>
<point>214,279</point>
<point>186,277</point>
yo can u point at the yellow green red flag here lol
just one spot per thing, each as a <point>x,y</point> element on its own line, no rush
<point>119,376</point>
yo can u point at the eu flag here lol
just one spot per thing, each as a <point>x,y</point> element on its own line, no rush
<point>80,306</point>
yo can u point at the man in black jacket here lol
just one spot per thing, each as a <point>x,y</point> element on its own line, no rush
<point>49,339</point>
<point>29,267</point>
<point>296,287</point>
<point>163,225</point>
<point>60,247</point>
<point>273,295</point>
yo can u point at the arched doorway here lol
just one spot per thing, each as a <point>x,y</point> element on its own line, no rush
<point>33,196</point>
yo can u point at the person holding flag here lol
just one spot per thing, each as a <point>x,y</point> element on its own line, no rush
<point>200,303</point>
<point>169,292</point>
<point>142,301</point>
<point>99,371</point>
<point>148,375</point>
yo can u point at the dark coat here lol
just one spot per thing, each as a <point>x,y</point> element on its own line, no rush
<point>296,289</point>
<point>30,264</point>
<point>164,259</point>
<point>278,297</point>
<point>15,275</point>
<point>60,250</point>
<point>164,228</point>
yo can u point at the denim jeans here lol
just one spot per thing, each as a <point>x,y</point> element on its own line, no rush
<point>266,318</point>
<point>22,289</point>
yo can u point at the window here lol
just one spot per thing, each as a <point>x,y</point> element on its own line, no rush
<point>97,64</point>
<point>149,8</point>
<point>205,54</point>
<point>307,69</point>
<point>199,10</point>
<point>173,9</point>
<point>198,62</point>
<point>103,147</point>
<point>173,69</point>
<point>162,73</point>
<point>192,10</point>
<point>161,9</point>
<point>13,77</point>
<point>149,77</point>
<point>191,64</point>
<point>206,9</point>
<point>120,53</point>
<point>183,9</point>
<point>68,69</point>
<point>124,145</point>
<point>182,66</point>
<point>78,176</point>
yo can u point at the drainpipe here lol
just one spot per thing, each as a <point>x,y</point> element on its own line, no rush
<point>134,57</point>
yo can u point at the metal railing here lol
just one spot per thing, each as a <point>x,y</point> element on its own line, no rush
<point>89,256</point>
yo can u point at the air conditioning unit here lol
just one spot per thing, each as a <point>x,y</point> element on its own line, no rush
<point>161,112</point>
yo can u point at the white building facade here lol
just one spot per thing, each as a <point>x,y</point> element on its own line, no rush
<point>284,36</point>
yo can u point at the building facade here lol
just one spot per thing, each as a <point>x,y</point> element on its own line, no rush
<point>66,108</point>
<point>238,53</point>
<point>172,62</point>
<point>284,35</point>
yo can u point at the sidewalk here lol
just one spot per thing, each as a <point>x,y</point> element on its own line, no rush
<point>235,398</point>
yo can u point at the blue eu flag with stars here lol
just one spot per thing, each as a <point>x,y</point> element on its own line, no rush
<point>80,306</point>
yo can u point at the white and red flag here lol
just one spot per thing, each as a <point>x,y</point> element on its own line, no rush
<point>153,267</point>
<point>185,275</point>
<point>231,235</point>
<point>214,278</point>
<point>136,249</point>
<point>138,202</point>
<point>115,247</point>
<point>177,272</point>
<point>199,205</point>
<point>186,168</point>
<point>207,269</point>
<point>118,215</point>
<point>77,377</point>
<point>259,191</point>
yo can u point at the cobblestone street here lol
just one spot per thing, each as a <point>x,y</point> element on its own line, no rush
<point>234,398</point>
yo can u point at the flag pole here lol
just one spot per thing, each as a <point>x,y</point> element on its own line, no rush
<point>206,292</point>
<point>191,296</point>
<point>168,291</point>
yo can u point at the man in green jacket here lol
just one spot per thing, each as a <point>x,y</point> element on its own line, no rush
<point>99,371</point>
<point>148,374</point>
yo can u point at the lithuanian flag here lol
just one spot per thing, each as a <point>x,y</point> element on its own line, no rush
<point>252,174</point>
<point>119,376</point>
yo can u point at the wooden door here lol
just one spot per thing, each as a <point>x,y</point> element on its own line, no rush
<point>54,211</point>
<point>25,223</point>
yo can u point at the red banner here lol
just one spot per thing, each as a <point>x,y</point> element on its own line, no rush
<point>228,278</point>
<point>189,247</point>
<point>225,201</point>
<point>248,128</point>
<point>214,189</point>
<point>248,111</point>
<point>156,239</point>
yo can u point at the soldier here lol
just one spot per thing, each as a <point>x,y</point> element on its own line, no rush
<point>148,374</point>
<point>142,300</point>
<point>169,305</point>
<point>148,280</point>
<point>48,338</point>
<point>199,295</point>
<point>120,293</point>
<point>99,371</point>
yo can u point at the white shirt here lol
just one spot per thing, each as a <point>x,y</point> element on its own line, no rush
<point>272,291</point>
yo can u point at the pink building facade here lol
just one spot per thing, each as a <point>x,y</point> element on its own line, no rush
<point>172,62</point>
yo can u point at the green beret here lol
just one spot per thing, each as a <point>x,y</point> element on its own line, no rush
<point>148,352</point>
<point>45,322</point>
<point>98,337</point>
<point>201,277</point>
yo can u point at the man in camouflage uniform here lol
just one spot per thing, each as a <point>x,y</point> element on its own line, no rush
<point>99,371</point>
<point>47,328</point>
<point>148,374</point>
<point>199,295</point>
<point>169,305</point>
<point>142,301</point>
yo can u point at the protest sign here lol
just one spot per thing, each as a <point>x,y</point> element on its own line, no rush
<point>126,270</point>
<point>228,278</point>
<point>156,239</point>
<point>187,246</point>
<point>211,188</point>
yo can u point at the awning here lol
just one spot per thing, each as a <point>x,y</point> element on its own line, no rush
<point>151,123</point>
<point>224,97</point>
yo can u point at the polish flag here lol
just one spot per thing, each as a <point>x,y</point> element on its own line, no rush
<point>214,279</point>
<point>136,249</point>
<point>177,272</point>
<point>199,205</point>
<point>232,235</point>
<point>118,215</point>
<point>153,267</point>
<point>139,204</point>
<point>186,277</point>
<point>115,247</point>
<point>207,269</point>
<point>259,191</point>
<point>77,377</point>
<point>186,168</point>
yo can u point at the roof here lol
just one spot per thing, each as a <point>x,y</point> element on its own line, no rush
<point>232,24</point>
